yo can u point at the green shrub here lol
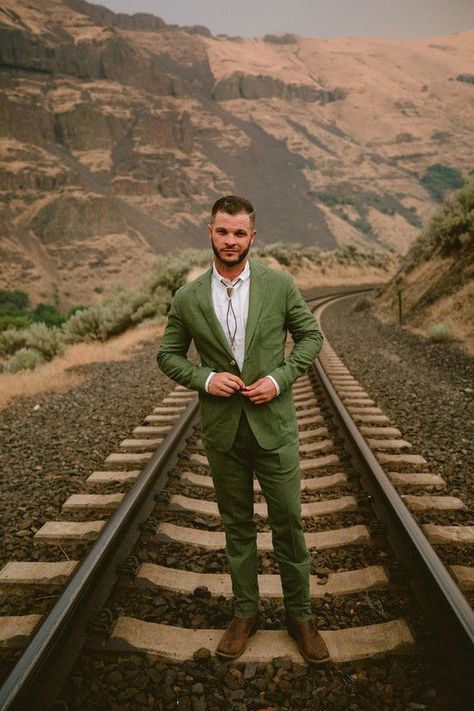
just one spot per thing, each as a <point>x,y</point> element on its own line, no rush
<point>440,332</point>
<point>48,341</point>
<point>170,272</point>
<point>11,340</point>
<point>285,254</point>
<point>24,359</point>
<point>439,178</point>
<point>450,228</point>
<point>109,318</point>
<point>331,199</point>
<point>362,226</point>
<point>16,322</point>
<point>15,301</point>
<point>125,308</point>
<point>82,325</point>
<point>48,314</point>
<point>441,136</point>
<point>75,309</point>
<point>14,313</point>
<point>158,304</point>
<point>46,337</point>
<point>13,305</point>
<point>405,138</point>
<point>468,78</point>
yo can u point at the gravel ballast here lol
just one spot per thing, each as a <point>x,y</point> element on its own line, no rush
<point>49,445</point>
<point>425,388</point>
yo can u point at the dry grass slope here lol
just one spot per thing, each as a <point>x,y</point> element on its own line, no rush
<point>62,373</point>
<point>436,279</point>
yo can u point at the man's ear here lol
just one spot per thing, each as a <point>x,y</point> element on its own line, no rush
<point>209,231</point>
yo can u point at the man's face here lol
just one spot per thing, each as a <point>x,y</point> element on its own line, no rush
<point>231,237</point>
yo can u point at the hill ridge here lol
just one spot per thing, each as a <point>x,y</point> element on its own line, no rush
<point>130,128</point>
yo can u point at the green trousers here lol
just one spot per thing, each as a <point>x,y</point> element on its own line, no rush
<point>278,472</point>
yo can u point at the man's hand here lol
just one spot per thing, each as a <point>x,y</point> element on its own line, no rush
<point>225,384</point>
<point>261,391</point>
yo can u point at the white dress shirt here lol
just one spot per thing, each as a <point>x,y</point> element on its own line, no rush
<point>240,304</point>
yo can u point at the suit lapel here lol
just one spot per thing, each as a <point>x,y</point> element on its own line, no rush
<point>204,299</point>
<point>258,287</point>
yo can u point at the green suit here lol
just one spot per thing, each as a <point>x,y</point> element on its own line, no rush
<point>241,438</point>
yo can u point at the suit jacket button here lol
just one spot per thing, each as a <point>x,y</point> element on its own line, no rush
<point>232,362</point>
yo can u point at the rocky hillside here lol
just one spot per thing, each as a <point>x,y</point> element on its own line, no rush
<point>117,132</point>
<point>436,279</point>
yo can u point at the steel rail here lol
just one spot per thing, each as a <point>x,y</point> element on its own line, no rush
<point>440,598</point>
<point>45,663</point>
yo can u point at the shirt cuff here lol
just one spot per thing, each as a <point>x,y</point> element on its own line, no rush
<point>274,383</point>
<point>206,384</point>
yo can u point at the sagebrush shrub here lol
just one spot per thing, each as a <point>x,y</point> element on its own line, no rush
<point>24,359</point>
<point>82,325</point>
<point>450,229</point>
<point>441,332</point>
<point>48,341</point>
<point>11,340</point>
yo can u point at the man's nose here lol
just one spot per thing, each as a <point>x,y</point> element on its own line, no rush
<point>230,238</point>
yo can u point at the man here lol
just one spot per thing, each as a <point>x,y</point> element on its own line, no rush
<point>238,314</point>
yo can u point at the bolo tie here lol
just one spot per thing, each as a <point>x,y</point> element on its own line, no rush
<point>231,318</point>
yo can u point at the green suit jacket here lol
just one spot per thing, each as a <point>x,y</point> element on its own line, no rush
<point>275,307</point>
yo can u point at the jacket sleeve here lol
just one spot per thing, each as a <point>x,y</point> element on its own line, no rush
<point>172,355</point>
<point>306,335</point>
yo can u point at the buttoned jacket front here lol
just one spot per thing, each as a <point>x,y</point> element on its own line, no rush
<point>275,307</point>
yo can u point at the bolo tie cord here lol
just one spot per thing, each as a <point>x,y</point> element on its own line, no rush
<point>231,332</point>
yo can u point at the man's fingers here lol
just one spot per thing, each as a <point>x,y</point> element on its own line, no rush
<point>233,380</point>
<point>253,387</point>
<point>235,384</point>
<point>238,384</point>
<point>225,384</point>
<point>260,392</point>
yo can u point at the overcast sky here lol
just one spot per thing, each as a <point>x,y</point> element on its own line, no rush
<point>312,18</point>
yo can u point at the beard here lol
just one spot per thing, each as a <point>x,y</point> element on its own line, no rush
<point>240,256</point>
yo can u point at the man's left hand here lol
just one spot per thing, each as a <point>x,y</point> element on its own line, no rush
<point>261,391</point>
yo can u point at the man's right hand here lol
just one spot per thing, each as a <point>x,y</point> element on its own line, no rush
<point>225,384</point>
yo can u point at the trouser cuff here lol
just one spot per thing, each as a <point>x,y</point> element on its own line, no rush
<point>245,611</point>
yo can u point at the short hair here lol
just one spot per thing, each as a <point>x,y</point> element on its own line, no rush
<point>233,205</point>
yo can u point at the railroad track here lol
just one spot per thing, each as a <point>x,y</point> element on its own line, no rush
<point>149,535</point>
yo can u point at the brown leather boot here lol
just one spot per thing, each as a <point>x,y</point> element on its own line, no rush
<point>310,643</point>
<point>234,639</point>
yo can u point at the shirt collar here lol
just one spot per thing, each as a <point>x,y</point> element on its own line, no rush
<point>243,276</point>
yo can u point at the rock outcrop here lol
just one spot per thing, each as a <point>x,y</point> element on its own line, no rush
<point>105,17</point>
<point>245,86</point>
